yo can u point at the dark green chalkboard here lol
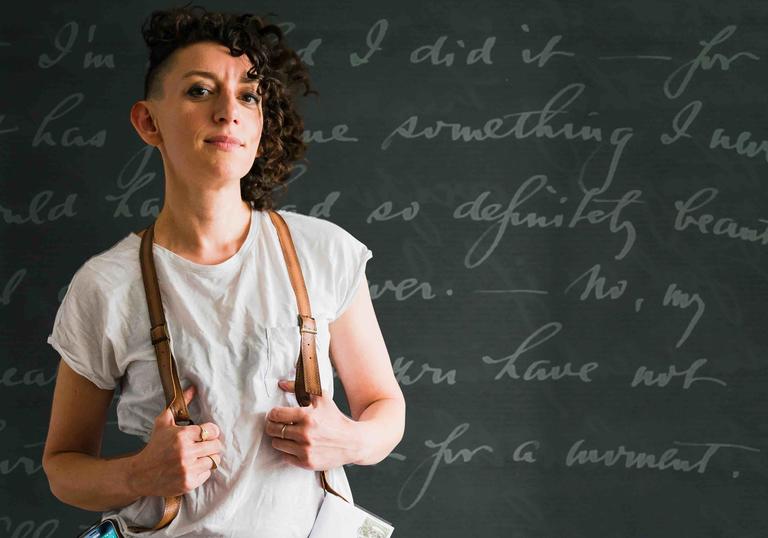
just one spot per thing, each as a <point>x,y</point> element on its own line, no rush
<point>567,204</point>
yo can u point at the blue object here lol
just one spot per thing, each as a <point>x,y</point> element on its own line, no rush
<point>102,529</point>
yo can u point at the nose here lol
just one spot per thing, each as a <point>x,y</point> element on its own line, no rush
<point>226,108</point>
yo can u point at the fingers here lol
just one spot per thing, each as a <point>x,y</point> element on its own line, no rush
<point>203,448</point>
<point>287,415</point>
<point>204,464</point>
<point>195,431</point>
<point>212,441</point>
<point>275,429</point>
<point>168,418</point>
<point>212,444</point>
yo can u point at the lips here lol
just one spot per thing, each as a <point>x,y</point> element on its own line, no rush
<point>223,139</point>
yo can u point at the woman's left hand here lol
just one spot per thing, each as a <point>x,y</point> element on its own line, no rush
<point>318,437</point>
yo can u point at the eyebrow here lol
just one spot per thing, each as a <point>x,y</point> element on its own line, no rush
<point>208,74</point>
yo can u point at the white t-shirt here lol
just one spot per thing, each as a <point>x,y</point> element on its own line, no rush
<point>234,333</point>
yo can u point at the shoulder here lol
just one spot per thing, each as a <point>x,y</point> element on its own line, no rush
<point>309,225</point>
<point>108,270</point>
<point>336,259</point>
<point>317,232</point>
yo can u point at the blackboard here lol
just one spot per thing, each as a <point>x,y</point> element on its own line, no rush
<point>566,203</point>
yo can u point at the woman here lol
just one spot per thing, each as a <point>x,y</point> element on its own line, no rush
<point>218,105</point>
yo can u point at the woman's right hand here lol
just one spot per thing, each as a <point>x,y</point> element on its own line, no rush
<point>175,461</point>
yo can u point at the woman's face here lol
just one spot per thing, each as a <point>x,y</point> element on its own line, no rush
<point>206,94</point>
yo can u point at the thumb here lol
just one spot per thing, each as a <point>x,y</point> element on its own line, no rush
<point>187,394</point>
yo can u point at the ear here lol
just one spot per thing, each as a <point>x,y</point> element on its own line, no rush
<point>145,123</point>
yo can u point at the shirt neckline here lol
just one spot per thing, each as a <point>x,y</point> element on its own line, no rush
<point>232,261</point>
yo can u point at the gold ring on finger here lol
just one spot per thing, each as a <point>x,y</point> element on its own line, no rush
<point>214,463</point>
<point>203,433</point>
<point>282,432</point>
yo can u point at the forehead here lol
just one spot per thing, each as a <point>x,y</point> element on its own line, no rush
<point>210,56</point>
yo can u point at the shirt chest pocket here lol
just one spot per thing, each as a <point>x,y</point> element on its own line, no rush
<point>283,344</point>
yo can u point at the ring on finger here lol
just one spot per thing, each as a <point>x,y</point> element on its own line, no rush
<point>203,433</point>
<point>213,461</point>
<point>282,432</point>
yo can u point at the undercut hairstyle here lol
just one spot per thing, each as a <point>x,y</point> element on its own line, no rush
<point>280,73</point>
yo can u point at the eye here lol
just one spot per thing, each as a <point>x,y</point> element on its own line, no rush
<point>192,92</point>
<point>194,89</point>
<point>256,99</point>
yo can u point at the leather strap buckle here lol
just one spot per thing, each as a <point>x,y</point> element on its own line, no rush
<point>303,328</point>
<point>158,333</point>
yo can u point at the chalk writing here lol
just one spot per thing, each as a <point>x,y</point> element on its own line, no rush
<point>534,292</point>
<point>131,181</point>
<point>743,145</point>
<point>9,129</point>
<point>403,290</point>
<point>649,378</point>
<point>546,53</point>
<point>373,41</point>
<point>682,122</point>
<point>444,455</point>
<point>338,133</point>
<point>540,126</point>
<point>540,370</point>
<point>668,460</point>
<point>503,167</point>
<point>526,452</point>
<point>38,212</point>
<point>401,367</point>
<point>678,298</point>
<point>305,53</point>
<point>29,527</point>
<point>678,80</point>
<point>65,40</point>
<point>726,226</point>
<point>34,377</point>
<point>595,285</point>
<point>11,286</point>
<point>434,54</point>
<point>538,186</point>
<point>70,136</point>
<point>635,57</point>
<point>27,465</point>
<point>385,212</point>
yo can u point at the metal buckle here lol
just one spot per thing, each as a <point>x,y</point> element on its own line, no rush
<point>303,329</point>
<point>157,338</point>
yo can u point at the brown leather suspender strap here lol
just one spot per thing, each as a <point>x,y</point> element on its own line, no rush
<point>166,364</point>
<point>307,370</point>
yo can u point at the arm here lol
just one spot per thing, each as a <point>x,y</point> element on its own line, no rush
<point>76,474</point>
<point>376,401</point>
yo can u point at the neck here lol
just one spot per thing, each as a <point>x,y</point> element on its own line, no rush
<point>206,234</point>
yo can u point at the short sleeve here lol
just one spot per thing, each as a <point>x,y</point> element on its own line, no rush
<point>351,260</point>
<point>80,331</point>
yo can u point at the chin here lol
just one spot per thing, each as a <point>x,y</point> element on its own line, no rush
<point>230,175</point>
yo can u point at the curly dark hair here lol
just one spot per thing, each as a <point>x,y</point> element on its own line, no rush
<point>279,70</point>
